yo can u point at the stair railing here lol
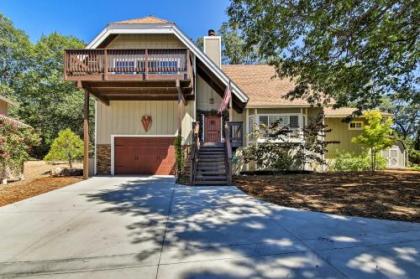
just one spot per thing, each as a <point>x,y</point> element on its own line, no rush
<point>228,154</point>
<point>195,148</point>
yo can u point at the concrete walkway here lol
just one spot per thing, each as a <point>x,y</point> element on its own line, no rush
<point>148,227</point>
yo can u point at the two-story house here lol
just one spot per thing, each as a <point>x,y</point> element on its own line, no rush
<point>152,83</point>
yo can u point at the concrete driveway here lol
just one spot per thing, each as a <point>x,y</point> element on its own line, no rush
<point>148,227</point>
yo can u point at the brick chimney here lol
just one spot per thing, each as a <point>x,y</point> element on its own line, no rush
<point>212,47</point>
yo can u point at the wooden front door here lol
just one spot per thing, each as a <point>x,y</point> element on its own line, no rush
<point>212,128</point>
<point>144,155</point>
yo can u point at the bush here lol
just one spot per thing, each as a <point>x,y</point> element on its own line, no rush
<point>67,147</point>
<point>16,140</point>
<point>179,154</point>
<point>351,162</point>
<point>414,156</point>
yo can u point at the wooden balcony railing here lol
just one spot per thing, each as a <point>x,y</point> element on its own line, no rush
<point>109,64</point>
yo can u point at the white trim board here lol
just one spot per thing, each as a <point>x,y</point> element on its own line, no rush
<point>168,29</point>
<point>130,136</point>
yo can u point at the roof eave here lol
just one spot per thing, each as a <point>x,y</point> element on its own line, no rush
<point>170,28</point>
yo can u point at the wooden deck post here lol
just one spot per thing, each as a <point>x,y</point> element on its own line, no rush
<point>86,136</point>
<point>181,103</point>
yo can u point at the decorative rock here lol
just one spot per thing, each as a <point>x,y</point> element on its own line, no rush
<point>59,171</point>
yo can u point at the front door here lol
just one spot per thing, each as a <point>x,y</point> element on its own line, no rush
<point>212,128</point>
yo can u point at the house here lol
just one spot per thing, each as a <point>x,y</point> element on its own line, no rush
<point>6,172</point>
<point>152,83</point>
<point>5,105</point>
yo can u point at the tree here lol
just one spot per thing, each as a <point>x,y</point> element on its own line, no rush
<point>376,135</point>
<point>406,118</point>
<point>46,101</point>
<point>234,50</point>
<point>15,55</point>
<point>67,146</point>
<point>354,52</point>
<point>16,141</point>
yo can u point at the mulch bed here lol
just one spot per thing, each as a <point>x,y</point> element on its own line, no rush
<point>387,195</point>
<point>14,192</point>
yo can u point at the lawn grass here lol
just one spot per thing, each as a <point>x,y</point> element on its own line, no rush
<point>387,195</point>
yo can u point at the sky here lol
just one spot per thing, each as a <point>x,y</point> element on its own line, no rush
<point>84,19</point>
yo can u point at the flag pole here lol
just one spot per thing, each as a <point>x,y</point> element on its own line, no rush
<point>230,103</point>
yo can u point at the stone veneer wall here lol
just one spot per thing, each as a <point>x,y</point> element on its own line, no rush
<point>103,159</point>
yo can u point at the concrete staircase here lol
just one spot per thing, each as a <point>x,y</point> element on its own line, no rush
<point>211,166</point>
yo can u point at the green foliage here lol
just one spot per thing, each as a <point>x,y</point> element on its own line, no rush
<point>284,149</point>
<point>15,54</point>
<point>351,162</point>
<point>15,143</point>
<point>179,154</point>
<point>414,156</point>
<point>406,117</point>
<point>46,101</point>
<point>66,147</point>
<point>353,51</point>
<point>376,135</point>
<point>234,49</point>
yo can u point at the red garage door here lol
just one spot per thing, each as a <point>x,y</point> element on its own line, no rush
<point>144,155</point>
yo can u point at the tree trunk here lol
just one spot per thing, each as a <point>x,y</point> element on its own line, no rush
<point>70,161</point>
<point>372,160</point>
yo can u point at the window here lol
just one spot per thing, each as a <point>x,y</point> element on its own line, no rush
<point>163,66</point>
<point>284,120</point>
<point>356,125</point>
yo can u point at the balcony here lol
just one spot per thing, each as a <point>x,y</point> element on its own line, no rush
<point>131,74</point>
<point>127,64</point>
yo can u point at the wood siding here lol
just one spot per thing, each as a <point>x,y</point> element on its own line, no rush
<point>124,118</point>
<point>340,132</point>
<point>204,93</point>
<point>155,41</point>
<point>3,107</point>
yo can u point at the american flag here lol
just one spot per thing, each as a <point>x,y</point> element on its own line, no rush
<point>226,99</point>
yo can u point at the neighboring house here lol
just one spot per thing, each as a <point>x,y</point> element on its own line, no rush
<point>151,82</point>
<point>5,171</point>
<point>5,105</point>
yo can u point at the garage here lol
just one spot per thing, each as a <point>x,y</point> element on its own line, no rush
<point>144,155</point>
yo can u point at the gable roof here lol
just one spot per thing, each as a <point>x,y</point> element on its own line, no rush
<point>263,87</point>
<point>13,121</point>
<point>144,20</point>
<point>338,112</point>
<point>165,27</point>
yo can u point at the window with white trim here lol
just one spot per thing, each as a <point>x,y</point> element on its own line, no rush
<point>293,121</point>
<point>356,125</point>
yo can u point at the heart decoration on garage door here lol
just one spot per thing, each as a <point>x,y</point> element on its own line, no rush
<point>146,120</point>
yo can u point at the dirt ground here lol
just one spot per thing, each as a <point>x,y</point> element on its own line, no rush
<point>387,195</point>
<point>37,181</point>
<point>14,192</point>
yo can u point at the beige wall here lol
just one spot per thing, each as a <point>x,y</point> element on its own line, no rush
<point>3,107</point>
<point>159,41</point>
<point>212,47</point>
<point>124,118</point>
<point>340,132</point>
<point>204,93</point>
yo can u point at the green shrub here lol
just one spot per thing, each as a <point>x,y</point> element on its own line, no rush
<point>414,156</point>
<point>284,161</point>
<point>179,154</point>
<point>350,162</point>
<point>16,141</point>
<point>67,147</point>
